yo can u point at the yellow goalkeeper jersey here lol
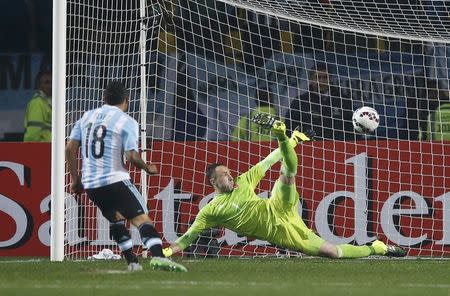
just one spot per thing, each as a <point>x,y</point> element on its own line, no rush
<point>247,214</point>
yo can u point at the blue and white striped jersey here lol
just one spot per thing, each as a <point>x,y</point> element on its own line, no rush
<point>105,134</point>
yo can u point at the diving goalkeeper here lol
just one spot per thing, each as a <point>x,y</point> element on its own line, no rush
<point>237,207</point>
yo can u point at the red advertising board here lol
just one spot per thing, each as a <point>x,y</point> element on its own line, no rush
<point>351,192</point>
<point>24,199</point>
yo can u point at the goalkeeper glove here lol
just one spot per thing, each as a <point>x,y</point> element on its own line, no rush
<point>167,252</point>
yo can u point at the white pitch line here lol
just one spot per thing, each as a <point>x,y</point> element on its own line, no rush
<point>23,261</point>
<point>419,285</point>
<point>212,284</point>
<point>404,285</point>
<point>360,260</point>
<point>112,271</point>
<point>168,284</point>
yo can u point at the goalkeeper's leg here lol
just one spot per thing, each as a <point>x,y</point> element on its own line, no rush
<point>286,147</point>
<point>350,251</point>
<point>290,161</point>
<point>345,251</point>
<point>289,158</point>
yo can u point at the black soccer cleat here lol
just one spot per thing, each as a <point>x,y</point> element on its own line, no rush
<point>395,251</point>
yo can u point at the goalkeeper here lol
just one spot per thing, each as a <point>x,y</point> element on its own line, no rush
<point>237,207</point>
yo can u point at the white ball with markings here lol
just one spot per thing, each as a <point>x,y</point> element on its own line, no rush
<point>365,120</point>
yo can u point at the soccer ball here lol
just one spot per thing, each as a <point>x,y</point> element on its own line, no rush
<point>365,120</point>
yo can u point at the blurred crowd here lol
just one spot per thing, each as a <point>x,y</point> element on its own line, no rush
<point>212,66</point>
<point>26,26</point>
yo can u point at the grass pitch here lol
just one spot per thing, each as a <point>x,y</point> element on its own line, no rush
<point>253,277</point>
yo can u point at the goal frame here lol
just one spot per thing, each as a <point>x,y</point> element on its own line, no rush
<point>58,167</point>
<point>58,130</point>
<point>59,177</point>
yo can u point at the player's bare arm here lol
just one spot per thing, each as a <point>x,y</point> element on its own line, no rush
<point>72,162</point>
<point>135,159</point>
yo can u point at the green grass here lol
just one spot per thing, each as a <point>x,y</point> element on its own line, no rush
<point>252,277</point>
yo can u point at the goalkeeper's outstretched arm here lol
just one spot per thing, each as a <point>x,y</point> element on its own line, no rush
<point>173,249</point>
<point>204,220</point>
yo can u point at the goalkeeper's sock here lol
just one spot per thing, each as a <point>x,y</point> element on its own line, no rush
<point>151,239</point>
<point>350,251</point>
<point>122,237</point>
<point>290,161</point>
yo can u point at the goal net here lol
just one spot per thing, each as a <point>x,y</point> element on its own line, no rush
<point>197,71</point>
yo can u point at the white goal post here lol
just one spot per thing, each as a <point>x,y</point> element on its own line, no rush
<point>58,181</point>
<point>198,70</point>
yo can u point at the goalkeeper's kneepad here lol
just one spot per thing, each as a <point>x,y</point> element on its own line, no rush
<point>167,252</point>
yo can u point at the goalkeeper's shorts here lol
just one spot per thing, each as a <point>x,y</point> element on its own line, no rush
<point>295,234</point>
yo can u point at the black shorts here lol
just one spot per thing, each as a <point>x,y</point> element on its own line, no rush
<point>122,197</point>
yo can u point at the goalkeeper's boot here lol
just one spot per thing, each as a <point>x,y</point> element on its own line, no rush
<point>388,250</point>
<point>395,251</point>
<point>266,121</point>
<point>160,263</point>
<point>299,136</point>
<point>134,267</point>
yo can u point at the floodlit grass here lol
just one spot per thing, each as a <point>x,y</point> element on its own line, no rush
<point>254,277</point>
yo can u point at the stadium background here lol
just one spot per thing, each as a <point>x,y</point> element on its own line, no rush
<point>253,40</point>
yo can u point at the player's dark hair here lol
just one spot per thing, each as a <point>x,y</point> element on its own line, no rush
<point>115,93</point>
<point>211,171</point>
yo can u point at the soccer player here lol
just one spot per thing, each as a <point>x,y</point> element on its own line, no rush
<point>237,207</point>
<point>105,134</point>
